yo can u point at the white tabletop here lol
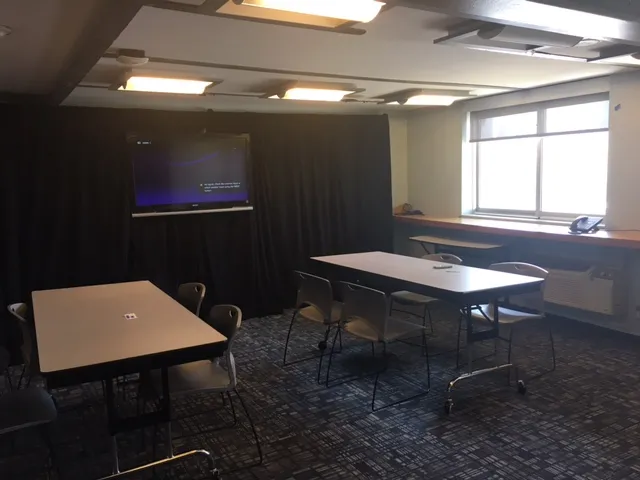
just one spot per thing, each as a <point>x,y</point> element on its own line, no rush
<point>458,279</point>
<point>85,326</point>
<point>453,243</point>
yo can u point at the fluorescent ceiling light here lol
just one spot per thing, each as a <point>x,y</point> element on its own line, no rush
<point>314,94</point>
<point>165,85</point>
<point>361,11</point>
<point>427,97</point>
<point>431,100</point>
<point>628,60</point>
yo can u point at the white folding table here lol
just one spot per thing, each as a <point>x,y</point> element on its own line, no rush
<point>458,284</point>
<point>100,332</point>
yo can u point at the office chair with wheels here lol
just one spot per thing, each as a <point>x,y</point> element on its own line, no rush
<point>314,303</point>
<point>27,408</point>
<point>365,315</point>
<point>410,299</point>
<point>28,347</point>
<point>191,295</point>
<point>205,375</point>
<point>515,310</point>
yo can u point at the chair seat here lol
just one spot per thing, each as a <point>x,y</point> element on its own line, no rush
<point>505,315</point>
<point>396,329</point>
<point>204,375</point>
<point>313,314</point>
<point>405,297</point>
<point>26,408</point>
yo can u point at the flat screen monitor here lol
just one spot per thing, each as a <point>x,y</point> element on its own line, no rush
<point>190,173</point>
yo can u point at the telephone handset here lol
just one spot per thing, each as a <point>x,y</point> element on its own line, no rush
<point>585,224</point>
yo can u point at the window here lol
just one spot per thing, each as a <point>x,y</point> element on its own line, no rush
<point>545,160</point>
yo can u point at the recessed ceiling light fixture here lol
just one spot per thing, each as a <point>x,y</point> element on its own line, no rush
<point>313,92</point>
<point>632,60</point>
<point>164,85</point>
<point>361,11</point>
<point>427,97</point>
<point>5,31</point>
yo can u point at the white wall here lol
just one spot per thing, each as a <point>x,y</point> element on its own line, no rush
<point>623,187</point>
<point>439,159</point>
<point>399,159</point>
<point>435,161</point>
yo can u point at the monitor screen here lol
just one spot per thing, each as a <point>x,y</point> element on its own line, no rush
<point>189,174</point>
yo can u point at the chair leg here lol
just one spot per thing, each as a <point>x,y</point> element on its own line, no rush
<point>427,312</point>
<point>426,354</point>
<point>511,329</point>
<point>24,368</point>
<point>553,349</point>
<point>286,344</point>
<point>253,428</point>
<point>326,339</point>
<point>7,379</point>
<point>382,370</point>
<point>340,339</point>
<point>458,344</point>
<point>373,349</point>
<point>233,409</point>
<point>333,346</point>
<point>52,463</point>
<point>169,441</point>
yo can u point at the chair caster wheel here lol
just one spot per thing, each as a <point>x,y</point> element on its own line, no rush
<point>522,388</point>
<point>448,406</point>
<point>322,345</point>
<point>215,474</point>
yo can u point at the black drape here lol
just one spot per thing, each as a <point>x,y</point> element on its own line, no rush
<point>321,185</point>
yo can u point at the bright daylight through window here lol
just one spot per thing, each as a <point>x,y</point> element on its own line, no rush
<point>545,160</point>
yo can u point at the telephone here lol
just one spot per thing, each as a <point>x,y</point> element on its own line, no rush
<point>585,224</point>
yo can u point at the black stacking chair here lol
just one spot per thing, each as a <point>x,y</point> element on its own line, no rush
<point>191,295</point>
<point>31,367</point>
<point>314,303</point>
<point>26,408</point>
<point>411,299</point>
<point>365,314</point>
<point>206,375</point>
<point>515,310</point>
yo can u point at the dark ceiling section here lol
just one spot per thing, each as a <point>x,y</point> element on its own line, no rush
<point>109,19</point>
<point>539,16</point>
<point>55,43</point>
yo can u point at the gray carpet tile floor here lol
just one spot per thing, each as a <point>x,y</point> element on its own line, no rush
<point>581,421</point>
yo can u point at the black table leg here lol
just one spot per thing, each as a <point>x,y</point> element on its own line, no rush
<point>472,338</point>
<point>163,415</point>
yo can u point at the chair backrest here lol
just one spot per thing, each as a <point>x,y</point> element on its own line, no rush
<point>227,319</point>
<point>444,258</point>
<point>314,292</point>
<point>533,301</point>
<point>190,296</point>
<point>20,311</point>
<point>367,304</point>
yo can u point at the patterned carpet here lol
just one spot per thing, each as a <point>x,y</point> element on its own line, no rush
<point>580,422</point>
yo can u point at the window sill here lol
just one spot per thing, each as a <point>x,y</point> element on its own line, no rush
<point>534,221</point>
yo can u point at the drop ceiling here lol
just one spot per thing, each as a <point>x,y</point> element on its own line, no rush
<point>395,53</point>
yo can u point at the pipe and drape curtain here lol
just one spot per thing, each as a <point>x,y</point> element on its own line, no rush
<point>320,184</point>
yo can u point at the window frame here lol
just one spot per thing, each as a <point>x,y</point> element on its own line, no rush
<point>541,109</point>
